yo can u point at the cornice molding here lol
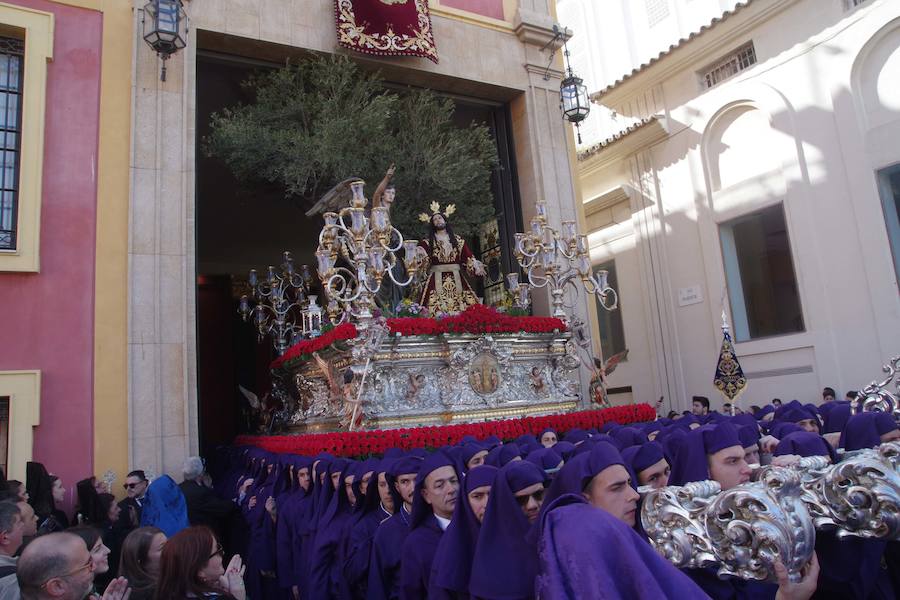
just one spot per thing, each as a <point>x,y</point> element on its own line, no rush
<point>699,49</point>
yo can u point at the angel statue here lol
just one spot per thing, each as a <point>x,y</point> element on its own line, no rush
<point>603,369</point>
<point>339,196</point>
<point>442,254</point>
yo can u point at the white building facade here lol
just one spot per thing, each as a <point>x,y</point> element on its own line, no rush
<point>743,156</point>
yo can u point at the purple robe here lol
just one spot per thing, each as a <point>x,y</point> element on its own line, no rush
<point>573,566</point>
<point>626,437</point>
<point>452,563</point>
<point>865,430</point>
<point>547,459</point>
<point>836,417</point>
<point>384,567</point>
<point>425,533</point>
<point>690,461</point>
<point>805,443</point>
<point>261,566</point>
<point>505,562</point>
<point>417,557</point>
<point>325,567</point>
<point>361,528</point>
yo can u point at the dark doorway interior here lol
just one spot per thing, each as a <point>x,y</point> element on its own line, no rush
<point>241,227</point>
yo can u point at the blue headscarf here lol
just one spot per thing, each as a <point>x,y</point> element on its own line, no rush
<point>164,507</point>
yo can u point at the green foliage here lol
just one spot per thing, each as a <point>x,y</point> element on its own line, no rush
<point>319,121</point>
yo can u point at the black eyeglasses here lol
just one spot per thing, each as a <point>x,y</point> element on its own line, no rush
<point>219,551</point>
<point>538,497</point>
<point>131,486</point>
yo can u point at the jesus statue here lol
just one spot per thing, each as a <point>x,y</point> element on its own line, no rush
<point>443,254</point>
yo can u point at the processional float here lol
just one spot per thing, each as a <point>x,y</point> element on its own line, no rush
<point>376,377</point>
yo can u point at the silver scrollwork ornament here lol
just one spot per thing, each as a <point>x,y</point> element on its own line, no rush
<point>673,518</point>
<point>859,496</point>
<point>752,526</point>
<point>876,397</point>
<point>742,531</point>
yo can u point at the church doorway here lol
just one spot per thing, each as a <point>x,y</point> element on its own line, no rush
<point>241,227</point>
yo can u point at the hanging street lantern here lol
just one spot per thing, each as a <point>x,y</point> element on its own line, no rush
<point>573,96</point>
<point>165,26</point>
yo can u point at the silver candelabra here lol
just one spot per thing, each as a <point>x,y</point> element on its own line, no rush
<point>280,299</point>
<point>555,260</point>
<point>366,246</point>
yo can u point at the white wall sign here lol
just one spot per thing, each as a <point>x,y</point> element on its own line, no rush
<point>689,295</point>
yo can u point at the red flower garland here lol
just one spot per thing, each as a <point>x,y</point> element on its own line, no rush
<point>344,331</point>
<point>364,443</point>
<point>477,319</point>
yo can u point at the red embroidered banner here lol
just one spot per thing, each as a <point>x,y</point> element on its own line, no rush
<point>386,27</point>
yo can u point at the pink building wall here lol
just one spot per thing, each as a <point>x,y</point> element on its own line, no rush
<point>486,8</point>
<point>47,318</point>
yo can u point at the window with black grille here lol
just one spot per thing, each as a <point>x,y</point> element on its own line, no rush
<point>729,65</point>
<point>12,52</point>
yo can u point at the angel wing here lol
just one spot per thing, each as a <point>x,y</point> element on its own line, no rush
<point>334,199</point>
<point>250,396</point>
<point>613,361</point>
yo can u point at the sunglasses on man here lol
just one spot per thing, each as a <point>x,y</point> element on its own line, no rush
<point>538,497</point>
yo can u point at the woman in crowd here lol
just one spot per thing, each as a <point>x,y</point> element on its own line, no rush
<point>45,492</point>
<point>140,560</point>
<point>99,556</point>
<point>106,517</point>
<point>191,567</point>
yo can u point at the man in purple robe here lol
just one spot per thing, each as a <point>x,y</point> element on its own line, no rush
<point>434,499</point>
<point>287,538</point>
<point>325,568</point>
<point>384,566</point>
<point>452,563</point>
<point>505,562</point>
<point>602,478</point>
<point>377,507</point>
<point>648,464</point>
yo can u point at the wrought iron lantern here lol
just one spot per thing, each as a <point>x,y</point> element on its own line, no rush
<point>573,96</point>
<point>165,27</point>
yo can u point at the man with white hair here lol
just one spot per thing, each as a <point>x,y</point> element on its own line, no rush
<point>204,507</point>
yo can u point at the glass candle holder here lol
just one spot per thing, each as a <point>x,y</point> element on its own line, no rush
<point>359,199</point>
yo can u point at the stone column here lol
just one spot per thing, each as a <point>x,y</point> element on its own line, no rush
<point>161,343</point>
<point>542,143</point>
